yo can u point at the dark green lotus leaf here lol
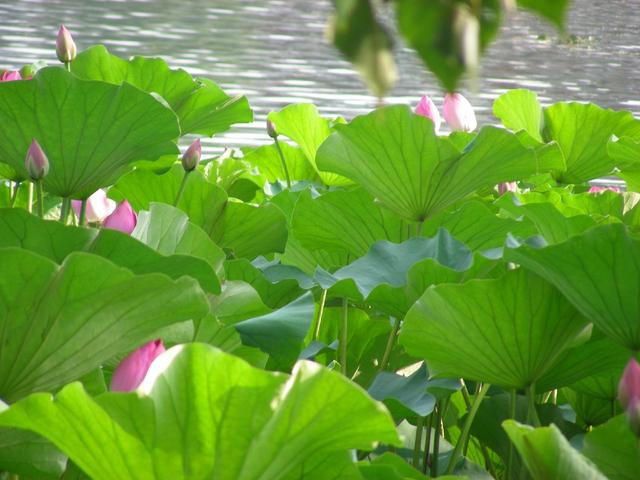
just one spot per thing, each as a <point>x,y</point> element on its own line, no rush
<point>396,156</point>
<point>553,10</point>
<point>512,330</point>
<point>246,229</point>
<point>62,321</point>
<point>614,449</point>
<point>91,131</point>
<point>29,455</point>
<point>599,272</point>
<point>548,454</point>
<point>389,466</point>
<point>303,124</point>
<point>56,241</point>
<point>280,333</point>
<point>590,411</point>
<point>201,106</point>
<point>603,386</point>
<point>146,435</point>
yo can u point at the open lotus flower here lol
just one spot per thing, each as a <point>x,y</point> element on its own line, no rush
<point>629,394</point>
<point>9,76</point>
<point>458,113</point>
<point>123,218</point>
<point>427,108</point>
<point>598,189</point>
<point>99,206</point>
<point>505,187</point>
<point>133,368</point>
<point>65,46</point>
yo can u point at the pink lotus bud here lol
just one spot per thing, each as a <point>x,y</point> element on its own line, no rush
<point>505,187</point>
<point>629,386</point>
<point>98,208</point>
<point>428,109</point>
<point>36,162</point>
<point>133,368</point>
<point>10,76</point>
<point>65,46</point>
<point>271,129</point>
<point>123,218</point>
<point>458,113</point>
<point>633,416</point>
<point>597,189</point>
<point>191,157</point>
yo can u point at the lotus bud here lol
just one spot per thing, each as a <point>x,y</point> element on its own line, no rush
<point>598,189</point>
<point>428,109</point>
<point>36,162</point>
<point>98,207</point>
<point>123,218</point>
<point>191,156</point>
<point>458,113</point>
<point>505,187</point>
<point>8,76</point>
<point>133,368</point>
<point>27,72</point>
<point>65,46</point>
<point>271,129</point>
<point>629,394</point>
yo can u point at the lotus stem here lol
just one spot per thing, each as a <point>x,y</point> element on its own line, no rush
<point>417,444</point>
<point>391,341</point>
<point>82,220</point>
<point>436,441</point>
<point>14,194</point>
<point>532,414</point>
<point>466,428</point>
<point>39,198</point>
<point>283,160</point>
<point>512,415</point>
<point>182,187</point>
<point>427,444</point>
<point>64,209</point>
<point>316,329</point>
<point>344,336</point>
<point>30,198</point>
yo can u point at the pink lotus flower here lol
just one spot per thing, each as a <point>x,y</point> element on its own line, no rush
<point>629,394</point>
<point>191,156</point>
<point>36,161</point>
<point>99,206</point>
<point>458,113</point>
<point>9,76</point>
<point>65,46</point>
<point>427,108</point>
<point>133,368</point>
<point>598,189</point>
<point>505,187</point>
<point>123,218</point>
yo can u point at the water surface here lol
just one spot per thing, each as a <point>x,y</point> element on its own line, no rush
<point>274,52</point>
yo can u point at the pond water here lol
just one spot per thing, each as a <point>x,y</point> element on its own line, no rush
<point>274,52</point>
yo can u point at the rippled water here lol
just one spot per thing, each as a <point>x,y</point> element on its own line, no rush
<point>274,52</point>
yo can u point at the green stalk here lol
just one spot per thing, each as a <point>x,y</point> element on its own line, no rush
<point>418,442</point>
<point>512,416</point>
<point>532,414</point>
<point>39,197</point>
<point>67,65</point>
<point>427,444</point>
<point>467,428</point>
<point>391,341</point>
<point>30,201</point>
<point>284,162</point>
<point>82,220</point>
<point>316,329</point>
<point>64,209</point>
<point>436,441</point>
<point>14,196</point>
<point>344,336</point>
<point>181,189</point>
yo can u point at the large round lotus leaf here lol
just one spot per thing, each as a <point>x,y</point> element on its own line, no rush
<point>90,131</point>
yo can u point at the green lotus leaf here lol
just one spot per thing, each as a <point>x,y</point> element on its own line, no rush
<point>90,131</point>
<point>614,449</point>
<point>201,106</point>
<point>396,156</point>
<point>62,321</point>
<point>242,423</point>
<point>509,331</point>
<point>599,272</point>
